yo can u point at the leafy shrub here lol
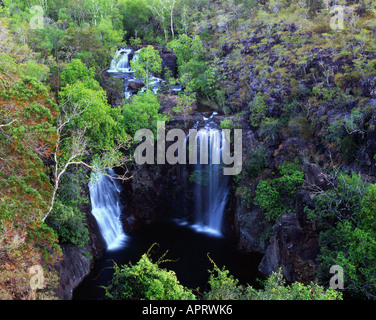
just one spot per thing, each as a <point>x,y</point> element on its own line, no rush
<point>274,195</point>
<point>66,218</point>
<point>142,113</point>
<point>195,72</point>
<point>74,72</point>
<point>270,130</point>
<point>223,286</point>
<point>354,249</point>
<point>345,132</point>
<point>342,201</point>
<point>146,281</point>
<point>69,223</point>
<point>275,288</point>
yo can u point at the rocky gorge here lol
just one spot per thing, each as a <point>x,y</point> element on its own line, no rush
<point>157,192</point>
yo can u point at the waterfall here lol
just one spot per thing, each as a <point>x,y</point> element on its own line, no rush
<point>104,195</point>
<point>120,62</point>
<point>211,186</point>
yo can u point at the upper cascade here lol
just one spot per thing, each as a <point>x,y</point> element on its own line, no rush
<point>121,68</point>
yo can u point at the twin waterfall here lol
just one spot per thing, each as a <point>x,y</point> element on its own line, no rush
<point>210,186</point>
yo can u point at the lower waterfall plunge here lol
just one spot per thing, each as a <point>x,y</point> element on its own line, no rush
<point>104,195</point>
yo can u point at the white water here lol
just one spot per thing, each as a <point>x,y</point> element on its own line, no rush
<point>211,188</point>
<point>104,195</point>
<point>120,66</point>
<point>120,62</point>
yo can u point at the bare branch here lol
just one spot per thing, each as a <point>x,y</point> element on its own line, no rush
<point>7,124</point>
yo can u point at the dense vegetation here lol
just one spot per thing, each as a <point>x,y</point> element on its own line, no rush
<point>306,90</point>
<point>146,280</point>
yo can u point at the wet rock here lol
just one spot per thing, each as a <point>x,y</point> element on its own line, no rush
<point>168,62</point>
<point>369,87</point>
<point>135,85</point>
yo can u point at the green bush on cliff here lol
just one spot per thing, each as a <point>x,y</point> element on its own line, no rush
<point>223,286</point>
<point>347,215</point>
<point>274,195</point>
<point>275,288</point>
<point>145,280</point>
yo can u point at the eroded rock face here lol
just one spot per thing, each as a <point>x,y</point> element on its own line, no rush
<point>251,231</point>
<point>153,193</point>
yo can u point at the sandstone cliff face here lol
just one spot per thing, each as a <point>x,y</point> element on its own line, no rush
<point>71,270</point>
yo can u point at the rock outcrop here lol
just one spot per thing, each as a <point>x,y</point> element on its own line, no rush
<point>71,270</point>
<point>294,245</point>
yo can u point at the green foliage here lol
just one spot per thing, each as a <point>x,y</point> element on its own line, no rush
<point>77,71</point>
<point>257,161</point>
<point>184,104</point>
<point>135,16</point>
<point>258,110</point>
<point>354,249</point>
<point>195,73</point>
<point>145,280</point>
<point>346,132</point>
<point>86,101</point>
<point>270,130</point>
<point>274,195</point>
<point>224,286</point>
<point>142,113</point>
<point>348,217</point>
<point>340,202</point>
<point>69,224</point>
<point>275,288</point>
<point>148,61</point>
<point>66,218</point>
<point>36,70</point>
